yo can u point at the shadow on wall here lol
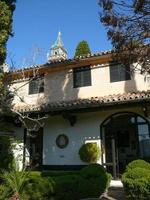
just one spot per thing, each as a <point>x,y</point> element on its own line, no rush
<point>59,86</point>
<point>130,85</point>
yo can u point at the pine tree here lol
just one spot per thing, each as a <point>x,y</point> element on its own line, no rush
<point>82,49</point>
<point>6,12</point>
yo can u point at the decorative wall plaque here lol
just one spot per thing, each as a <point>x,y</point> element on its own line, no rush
<point>62,141</point>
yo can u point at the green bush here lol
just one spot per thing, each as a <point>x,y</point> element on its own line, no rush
<point>6,154</point>
<point>66,187</point>
<point>58,173</point>
<point>91,181</point>
<point>4,192</point>
<point>137,173</point>
<point>89,152</point>
<point>138,163</point>
<point>92,170</point>
<point>38,187</point>
<point>136,180</point>
<point>85,185</point>
<point>96,178</point>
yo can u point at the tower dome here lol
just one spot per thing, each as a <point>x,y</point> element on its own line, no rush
<point>57,51</point>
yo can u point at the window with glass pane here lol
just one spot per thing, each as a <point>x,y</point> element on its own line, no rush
<point>144,140</point>
<point>119,73</point>
<point>36,85</point>
<point>82,76</point>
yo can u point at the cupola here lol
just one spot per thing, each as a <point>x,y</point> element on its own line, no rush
<point>57,51</point>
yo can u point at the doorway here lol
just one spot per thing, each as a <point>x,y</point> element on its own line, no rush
<point>125,137</point>
<point>34,148</point>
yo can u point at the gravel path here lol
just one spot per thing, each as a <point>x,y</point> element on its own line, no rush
<point>114,193</point>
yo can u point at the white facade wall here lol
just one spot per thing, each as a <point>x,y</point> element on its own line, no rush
<point>59,86</point>
<point>87,129</point>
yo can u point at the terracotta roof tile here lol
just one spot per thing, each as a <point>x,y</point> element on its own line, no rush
<point>65,61</point>
<point>84,103</point>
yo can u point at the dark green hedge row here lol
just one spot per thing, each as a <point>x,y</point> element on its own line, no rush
<point>91,181</point>
<point>136,180</point>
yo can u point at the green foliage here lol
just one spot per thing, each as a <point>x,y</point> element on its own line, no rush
<point>82,49</point>
<point>127,24</point>
<point>138,163</point>
<point>89,152</point>
<point>4,192</point>
<point>89,182</point>
<point>6,154</point>
<point>14,181</point>
<point>66,187</point>
<point>6,10</point>
<point>38,187</point>
<point>95,181</point>
<point>92,170</point>
<point>136,180</point>
<point>58,173</point>
<point>137,173</point>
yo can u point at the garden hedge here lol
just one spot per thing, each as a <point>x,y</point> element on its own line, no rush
<point>91,181</point>
<point>136,180</point>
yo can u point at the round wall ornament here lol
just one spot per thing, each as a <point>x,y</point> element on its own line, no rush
<point>62,141</point>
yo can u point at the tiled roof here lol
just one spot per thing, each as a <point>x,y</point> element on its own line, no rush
<point>67,61</point>
<point>86,103</point>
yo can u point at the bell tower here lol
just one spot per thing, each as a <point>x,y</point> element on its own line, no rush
<point>57,51</point>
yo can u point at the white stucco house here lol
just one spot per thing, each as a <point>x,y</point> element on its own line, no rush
<point>84,99</point>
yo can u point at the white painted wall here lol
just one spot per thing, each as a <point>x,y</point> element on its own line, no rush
<point>59,86</point>
<point>86,129</point>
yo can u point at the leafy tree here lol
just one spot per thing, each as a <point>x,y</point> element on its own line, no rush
<point>6,12</point>
<point>128,28</point>
<point>82,49</point>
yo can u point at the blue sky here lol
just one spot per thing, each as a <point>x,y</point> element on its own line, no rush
<point>37,22</point>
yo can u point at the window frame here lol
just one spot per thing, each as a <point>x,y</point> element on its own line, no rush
<point>33,87</point>
<point>85,79</point>
<point>119,76</point>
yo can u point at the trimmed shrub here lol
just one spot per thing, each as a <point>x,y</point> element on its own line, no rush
<point>136,180</point>
<point>38,187</point>
<point>138,163</point>
<point>66,187</point>
<point>92,170</point>
<point>89,152</point>
<point>91,181</point>
<point>137,173</point>
<point>96,178</point>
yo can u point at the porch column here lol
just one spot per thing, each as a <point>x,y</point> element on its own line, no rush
<point>114,157</point>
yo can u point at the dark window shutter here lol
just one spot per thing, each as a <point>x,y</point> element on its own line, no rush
<point>36,85</point>
<point>114,73</point>
<point>122,72</point>
<point>86,77</point>
<point>82,76</point>
<point>119,73</point>
<point>77,78</point>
